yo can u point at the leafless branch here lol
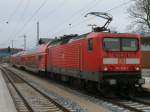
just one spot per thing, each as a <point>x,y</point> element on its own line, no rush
<point>140,13</point>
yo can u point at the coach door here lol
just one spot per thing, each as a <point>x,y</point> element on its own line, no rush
<point>41,60</point>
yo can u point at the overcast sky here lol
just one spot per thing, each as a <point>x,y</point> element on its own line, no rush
<point>54,17</point>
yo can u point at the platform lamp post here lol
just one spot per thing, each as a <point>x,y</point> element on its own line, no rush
<point>38,33</point>
<point>9,52</point>
<point>12,46</point>
<point>24,41</point>
<point>25,38</point>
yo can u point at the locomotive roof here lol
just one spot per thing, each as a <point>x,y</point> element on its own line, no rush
<point>67,38</point>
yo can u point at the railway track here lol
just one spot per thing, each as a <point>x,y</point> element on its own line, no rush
<point>119,105</point>
<point>28,98</point>
<point>132,105</point>
<point>124,104</point>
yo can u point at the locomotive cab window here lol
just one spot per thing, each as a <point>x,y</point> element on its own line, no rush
<point>129,44</point>
<point>90,44</point>
<point>121,44</point>
<point>111,44</point>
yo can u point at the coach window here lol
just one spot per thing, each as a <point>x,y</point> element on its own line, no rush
<point>90,44</point>
<point>40,57</point>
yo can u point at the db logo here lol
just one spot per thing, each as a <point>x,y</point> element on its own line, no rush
<point>121,61</point>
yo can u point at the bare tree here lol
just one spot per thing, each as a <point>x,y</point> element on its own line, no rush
<point>140,12</point>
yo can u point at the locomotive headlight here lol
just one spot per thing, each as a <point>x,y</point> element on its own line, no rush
<point>105,69</point>
<point>137,68</point>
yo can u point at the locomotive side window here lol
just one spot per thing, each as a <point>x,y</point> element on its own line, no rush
<point>112,44</point>
<point>90,44</point>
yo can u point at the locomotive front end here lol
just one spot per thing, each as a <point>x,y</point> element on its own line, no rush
<point>121,63</point>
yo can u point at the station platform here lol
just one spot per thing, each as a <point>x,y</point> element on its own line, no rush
<point>146,76</point>
<point>146,72</point>
<point>6,102</point>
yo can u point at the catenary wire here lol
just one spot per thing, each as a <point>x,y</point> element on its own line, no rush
<point>50,13</point>
<point>27,22</point>
<point>83,21</point>
<point>77,14</point>
<point>21,18</point>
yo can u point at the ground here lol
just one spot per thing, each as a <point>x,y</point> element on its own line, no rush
<point>67,93</point>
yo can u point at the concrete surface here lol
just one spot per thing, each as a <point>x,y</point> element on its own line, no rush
<point>6,102</point>
<point>146,72</point>
<point>65,93</point>
<point>146,76</point>
<point>147,82</point>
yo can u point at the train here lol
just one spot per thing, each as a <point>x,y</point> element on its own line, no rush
<point>101,58</point>
<point>97,59</point>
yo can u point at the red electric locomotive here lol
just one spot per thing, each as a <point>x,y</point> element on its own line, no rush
<point>99,59</point>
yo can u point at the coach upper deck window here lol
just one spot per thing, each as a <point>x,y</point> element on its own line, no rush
<point>112,44</point>
<point>90,44</point>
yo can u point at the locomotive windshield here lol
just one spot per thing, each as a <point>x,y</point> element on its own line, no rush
<point>120,44</point>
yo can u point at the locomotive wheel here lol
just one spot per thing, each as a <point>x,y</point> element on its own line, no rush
<point>107,91</point>
<point>77,83</point>
<point>42,74</point>
<point>81,84</point>
<point>91,86</point>
<point>127,90</point>
<point>72,81</point>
